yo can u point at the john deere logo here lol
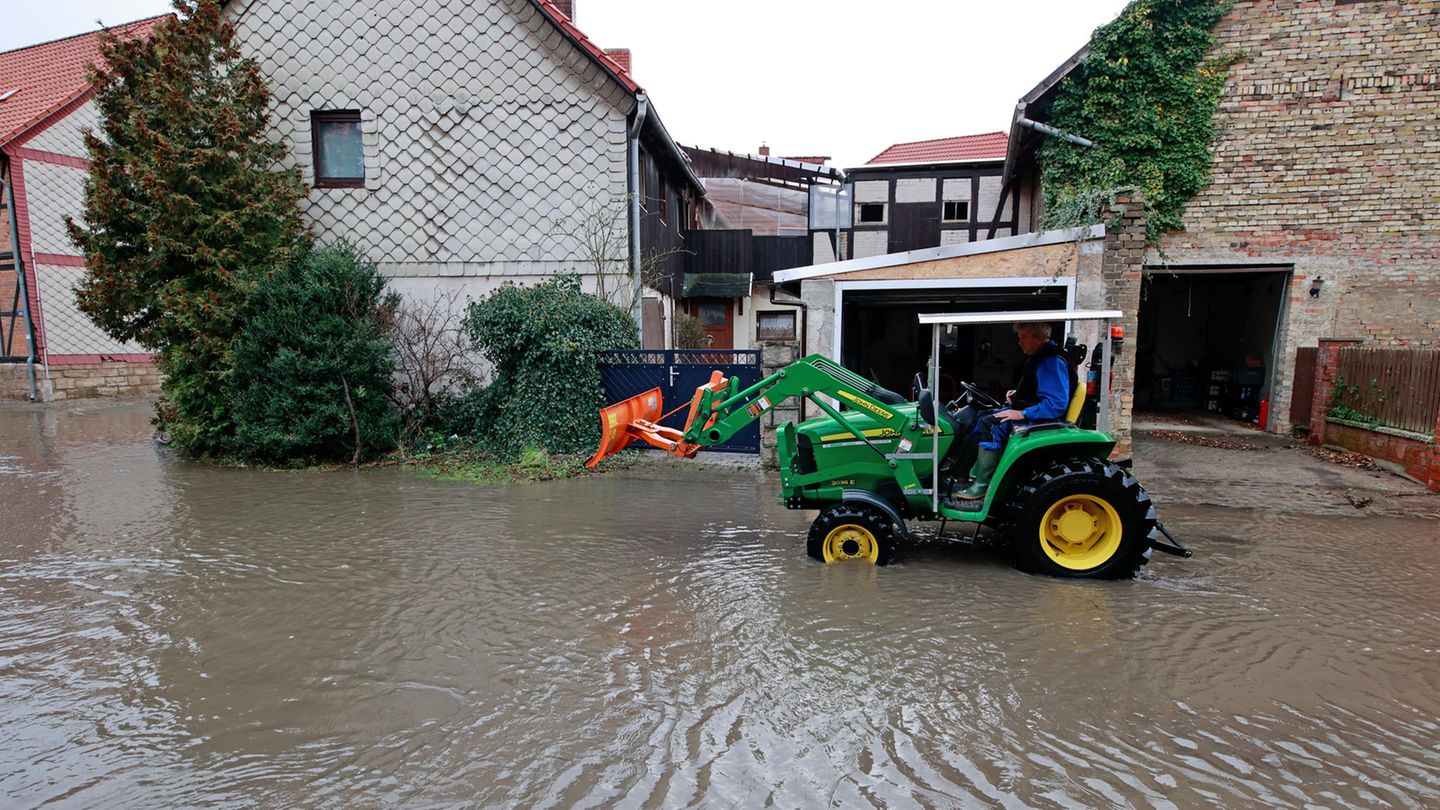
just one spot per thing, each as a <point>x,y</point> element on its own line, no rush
<point>866,404</point>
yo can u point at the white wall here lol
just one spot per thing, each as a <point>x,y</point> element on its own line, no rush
<point>487,134</point>
<point>52,192</point>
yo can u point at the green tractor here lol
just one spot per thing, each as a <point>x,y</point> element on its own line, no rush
<point>1061,507</point>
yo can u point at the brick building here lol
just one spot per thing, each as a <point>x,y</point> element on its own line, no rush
<point>1319,216</point>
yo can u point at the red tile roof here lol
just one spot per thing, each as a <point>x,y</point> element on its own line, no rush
<point>48,76</point>
<point>617,70</point>
<point>990,146</point>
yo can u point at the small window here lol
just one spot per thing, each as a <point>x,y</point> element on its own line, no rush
<point>663,203</point>
<point>956,211</point>
<point>775,326</point>
<point>872,212</point>
<point>339,153</point>
<point>714,314</point>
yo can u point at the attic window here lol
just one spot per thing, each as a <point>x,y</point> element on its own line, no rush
<point>956,211</point>
<point>8,93</point>
<point>872,212</point>
<point>339,153</point>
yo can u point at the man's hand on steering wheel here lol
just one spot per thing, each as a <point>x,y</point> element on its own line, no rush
<point>978,396</point>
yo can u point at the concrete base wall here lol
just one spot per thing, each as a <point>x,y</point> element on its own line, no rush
<point>105,379</point>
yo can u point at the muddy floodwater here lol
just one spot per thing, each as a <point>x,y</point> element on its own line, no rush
<point>172,634</point>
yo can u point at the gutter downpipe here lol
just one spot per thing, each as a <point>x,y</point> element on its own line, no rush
<point>5,179</point>
<point>642,108</point>
<point>804,326</point>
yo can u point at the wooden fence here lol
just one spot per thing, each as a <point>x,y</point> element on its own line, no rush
<point>1398,388</point>
<point>1302,396</point>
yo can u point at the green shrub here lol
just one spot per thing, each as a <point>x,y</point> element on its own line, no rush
<point>689,333</point>
<point>184,209</point>
<point>311,368</point>
<point>542,342</point>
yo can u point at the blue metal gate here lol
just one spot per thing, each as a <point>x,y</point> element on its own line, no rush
<point>677,373</point>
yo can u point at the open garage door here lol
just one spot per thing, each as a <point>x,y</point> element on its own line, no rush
<point>880,337</point>
<point>1207,340</point>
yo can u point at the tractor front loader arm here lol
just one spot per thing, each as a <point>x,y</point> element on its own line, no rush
<point>723,413</point>
<point>719,409</point>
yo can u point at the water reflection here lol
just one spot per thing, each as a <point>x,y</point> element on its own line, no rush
<point>177,634</point>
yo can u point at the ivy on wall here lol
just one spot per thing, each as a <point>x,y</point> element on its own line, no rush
<point>1146,95</point>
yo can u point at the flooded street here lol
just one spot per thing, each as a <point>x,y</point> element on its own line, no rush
<point>177,634</point>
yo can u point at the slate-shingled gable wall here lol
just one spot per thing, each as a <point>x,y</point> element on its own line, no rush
<point>487,134</point>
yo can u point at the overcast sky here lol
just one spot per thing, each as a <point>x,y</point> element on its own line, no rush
<point>844,78</point>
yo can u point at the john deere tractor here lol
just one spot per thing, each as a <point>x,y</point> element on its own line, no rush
<point>1061,507</point>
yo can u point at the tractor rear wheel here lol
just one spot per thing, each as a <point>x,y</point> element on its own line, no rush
<point>1081,517</point>
<point>852,531</point>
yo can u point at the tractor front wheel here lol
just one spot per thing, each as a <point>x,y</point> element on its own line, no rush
<point>1081,518</point>
<point>852,531</point>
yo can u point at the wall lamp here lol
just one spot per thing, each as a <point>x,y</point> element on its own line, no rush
<point>1315,286</point>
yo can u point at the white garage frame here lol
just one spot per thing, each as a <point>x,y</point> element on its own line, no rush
<point>1033,282</point>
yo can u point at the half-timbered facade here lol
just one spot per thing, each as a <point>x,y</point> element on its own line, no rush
<point>932,193</point>
<point>48,348</point>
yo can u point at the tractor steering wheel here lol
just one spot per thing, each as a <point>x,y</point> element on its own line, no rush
<point>978,396</point>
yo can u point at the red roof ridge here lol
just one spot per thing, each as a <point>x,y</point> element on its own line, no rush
<point>568,27</point>
<point>980,146</point>
<point>52,75</point>
<point>92,32</point>
<point>946,138</point>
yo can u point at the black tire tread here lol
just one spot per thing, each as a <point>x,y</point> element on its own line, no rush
<point>1029,500</point>
<point>873,519</point>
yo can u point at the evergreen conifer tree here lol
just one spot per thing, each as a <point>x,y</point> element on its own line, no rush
<point>185,210</point>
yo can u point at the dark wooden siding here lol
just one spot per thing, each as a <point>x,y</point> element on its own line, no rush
<point>781,253</point>
<point>739,251</point>
<point>1302,396</point>
<point>907,233</point>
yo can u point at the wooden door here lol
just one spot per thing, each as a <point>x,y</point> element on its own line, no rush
<point>914,226</point>
<point>717,318</point>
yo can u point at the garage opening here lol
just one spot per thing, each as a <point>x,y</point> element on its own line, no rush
<point>882,339</point>
<point>1206,342</point>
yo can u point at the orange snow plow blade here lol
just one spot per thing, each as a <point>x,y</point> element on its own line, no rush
<point>638,418</point>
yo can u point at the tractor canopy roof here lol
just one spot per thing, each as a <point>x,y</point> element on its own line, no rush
<point>1022,316</point>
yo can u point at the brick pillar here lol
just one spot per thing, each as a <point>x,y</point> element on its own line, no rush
<point>1326,361</point>
<point>775,355</point>
<point>1122,270</point>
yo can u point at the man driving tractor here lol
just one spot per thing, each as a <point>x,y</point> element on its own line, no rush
<point>1043,393</point>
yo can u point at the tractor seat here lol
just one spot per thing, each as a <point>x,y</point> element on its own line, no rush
<point>1072,412</point>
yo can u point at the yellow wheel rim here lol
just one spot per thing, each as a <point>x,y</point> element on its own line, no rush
<point>851,542</point>
<point>1080,532</point>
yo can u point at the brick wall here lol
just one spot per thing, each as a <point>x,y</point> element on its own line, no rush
<point>1122,271</point>
<point>1326,160</point>
<point>111,378</point>
<point>1420,459</point>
